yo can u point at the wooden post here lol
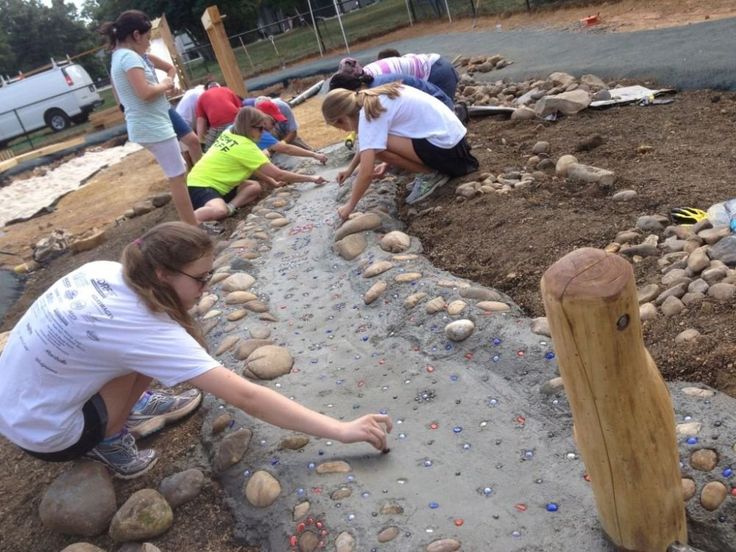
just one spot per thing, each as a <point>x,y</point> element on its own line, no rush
<point>161,29</point>
<point>212,22</point>
<point>624,420</point>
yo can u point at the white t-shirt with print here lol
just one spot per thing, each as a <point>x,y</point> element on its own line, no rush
<point>413,114</point>
<point>84,331</point>
<point>416,65</point>
<point>187,106</point>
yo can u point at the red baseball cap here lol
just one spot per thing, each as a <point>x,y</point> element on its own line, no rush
<point>270,109</point>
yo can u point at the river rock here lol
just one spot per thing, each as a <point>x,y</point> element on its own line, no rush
<point>567,103</point>
<point>232,449</point>
<point>540,147</point>
<point>336,466</point>
<point>256,306</point>
<point>388,534</point>
<point>647,293</point>
<point>704,460</point>
<point>624,195</point>
<point>239,297</point>
<point>294,442</point>
<point>246,347</point>
<point>395,242</point>
<point>391,509</point>
<point>138,547</point>
<point>493,306</point>
<point>698,392</point>
<point>214,313</point>
<point>226,344</point>
<point>238,282</point>
<point>459,330</point>
<point>698,286</point>
<point>236,315</point>
<point>540,326</point>
<point>341,493</point>
<point>221,423</point>
<point>407,277</point>
<point>456,307</point>
<point>674,277</point>
<point>262,489</point>
<point>377,268</point>
<point>435,305</point>
<point>688,429</point>
<point>550,387</point>
<point>714,274</point>
<point>351,246</point>
<point>713,495</point>
<point>443,545</point>
<point>724,250</point>
<point>713,235</point>
<point>688,488</point>
<point>722,291</point>
<point>649,223</point>
<point>182,487</point>
<point>687,336</point>
<point>345,542</point>
<point>367,221</point>
<point>647,311</point>
<point>672,306</point>
<point>206,303</point>
<point>82,547</point>
<point>308,541</point>
<point>80,501</point>
<point>479,293</point>
<point>563,164</point>
<point>145,515</point>
<point>279,222</point>
<point>300,510</point>
<point>588,174</point>
<point>375,292</point>
<point>269,362</point>
<point>698,260</point>
<point>413,299</point>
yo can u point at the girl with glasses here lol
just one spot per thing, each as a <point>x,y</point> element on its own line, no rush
<point>223,181</point>
<point>78,366</point>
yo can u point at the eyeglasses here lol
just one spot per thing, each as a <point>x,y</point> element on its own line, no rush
<point>260,128</point>
<point>203,280</point>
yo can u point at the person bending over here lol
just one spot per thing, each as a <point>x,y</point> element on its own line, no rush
<point>403,127</point>
<point>78,367</point>
<point>220,183</point>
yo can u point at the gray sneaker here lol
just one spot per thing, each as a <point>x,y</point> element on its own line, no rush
<point>161,409</point>
<point>424,185</point>
<point>123,457</point>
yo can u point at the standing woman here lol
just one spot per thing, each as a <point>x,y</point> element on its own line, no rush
<point>144,98</point>
<point>77,367</point>
<point>403,127</point>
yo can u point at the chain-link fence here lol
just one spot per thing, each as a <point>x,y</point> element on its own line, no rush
<point>339,26</point>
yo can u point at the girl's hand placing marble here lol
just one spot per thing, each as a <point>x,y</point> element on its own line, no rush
<point>371,428</point>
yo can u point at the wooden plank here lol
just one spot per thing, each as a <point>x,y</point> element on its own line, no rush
<point>212,22</point>
<point>40,152</point>
<point>624,420</point>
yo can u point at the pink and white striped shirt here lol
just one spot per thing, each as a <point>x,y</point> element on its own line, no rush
<point>415,65</point>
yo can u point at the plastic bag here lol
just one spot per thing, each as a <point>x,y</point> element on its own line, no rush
<point>723,214</point>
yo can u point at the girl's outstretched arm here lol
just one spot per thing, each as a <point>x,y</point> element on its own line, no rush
<point>274,408</point>
<point>362,181</point>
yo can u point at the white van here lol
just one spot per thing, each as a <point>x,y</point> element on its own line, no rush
<point>52,98</point>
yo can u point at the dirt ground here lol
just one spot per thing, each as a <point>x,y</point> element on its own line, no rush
<point>514,238</point>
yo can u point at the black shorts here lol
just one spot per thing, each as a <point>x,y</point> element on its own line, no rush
<point>200,195</point>
<point>455,161</point>
<point>95,426</point>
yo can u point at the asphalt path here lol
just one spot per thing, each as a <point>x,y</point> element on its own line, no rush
<point>695,56</point>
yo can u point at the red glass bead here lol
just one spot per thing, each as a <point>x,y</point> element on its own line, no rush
<point>459,522</point>
<point>434,425</point>
<point>521,420</point>
<point>430,369</point>
<point>292,541</point>
<point>300,527</point>
<point>521,507</point>
<point>309,521</point>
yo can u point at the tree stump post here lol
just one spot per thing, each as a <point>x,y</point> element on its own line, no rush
<point>623,415</point>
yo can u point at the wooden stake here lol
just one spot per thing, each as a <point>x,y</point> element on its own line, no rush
<point>212,22</point>
<point>161,29</point>
<point>624,420</point>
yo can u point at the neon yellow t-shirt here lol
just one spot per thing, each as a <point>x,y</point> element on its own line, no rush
<point>229,161</point>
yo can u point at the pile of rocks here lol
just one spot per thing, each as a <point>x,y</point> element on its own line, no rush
<point>82,502</point>
<point>696,262</point>
<point>558,93</point>
<point>481,64</point>
<point>538,166</point>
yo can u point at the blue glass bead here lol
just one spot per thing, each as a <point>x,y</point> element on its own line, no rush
<point>552,507</point>
<point>434,505</point>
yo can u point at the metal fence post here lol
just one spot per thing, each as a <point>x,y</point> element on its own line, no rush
<point>247,54</point>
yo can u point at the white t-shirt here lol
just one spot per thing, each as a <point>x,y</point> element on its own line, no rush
<point>148,122</point>
<point>187,106</point>
<point>413,114</point>
<point>87,329</point>
<point>415,65</point>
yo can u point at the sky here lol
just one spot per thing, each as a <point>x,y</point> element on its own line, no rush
<point>78,3</point>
